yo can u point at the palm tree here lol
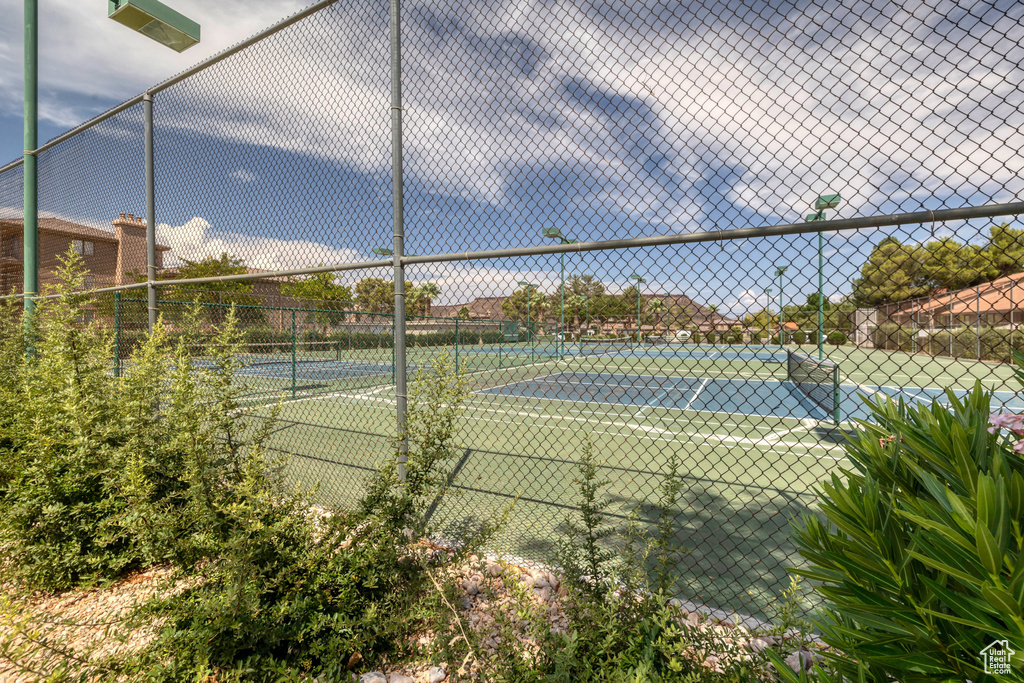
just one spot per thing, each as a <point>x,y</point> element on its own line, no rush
<point>657,307</point>
<point>429,291</point>
<point>713,308</point>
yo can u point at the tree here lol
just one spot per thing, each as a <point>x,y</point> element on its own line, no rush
<point>216,297</point>
<point>763,320</point>
<point>464,313</point>
<point>515,306</point>
<point>374,295</point>
<point>812,303</point>
<point>428,292</point>
<point>657,308</point>
<point>321,292</point>
<point>891,273</point>
<point>578,290</point>
<point>1006,250</point>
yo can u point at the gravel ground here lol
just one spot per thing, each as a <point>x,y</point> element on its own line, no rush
<point>88,621</point>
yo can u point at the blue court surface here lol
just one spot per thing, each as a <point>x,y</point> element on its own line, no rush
<point>767,397</point>
<point>315,371</point>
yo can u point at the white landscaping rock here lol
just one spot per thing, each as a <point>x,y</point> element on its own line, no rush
<point>802,659</point>
<point>470,586</point>
<point>400,678</point>
<point>373,677</point>
<point>436,674</point>
<point>541,582</point>
<point>494,569</point>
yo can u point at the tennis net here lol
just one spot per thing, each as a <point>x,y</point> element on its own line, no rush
<point>597,347</point>
<point>818,380</point>
<point>273,353</point>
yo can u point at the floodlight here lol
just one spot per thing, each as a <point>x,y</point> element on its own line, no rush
<point>155,20</point>
<point>827,201</point>
<point>811,217</point>
<point>554,233</point>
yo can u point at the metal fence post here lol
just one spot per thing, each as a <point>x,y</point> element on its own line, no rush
<point>117,334</point>
<point>147,104</point>
<point>397,190</point>
<point>30,211</point>
<point>293,353</point>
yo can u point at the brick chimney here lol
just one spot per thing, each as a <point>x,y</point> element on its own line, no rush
<point>131,248</point>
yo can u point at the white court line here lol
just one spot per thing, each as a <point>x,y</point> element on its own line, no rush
<point>697,393</point>
<point>656,401</point>
<point>756,443</point>
<point>645,428</point>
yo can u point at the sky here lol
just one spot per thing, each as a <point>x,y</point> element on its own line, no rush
<point>604,118</point>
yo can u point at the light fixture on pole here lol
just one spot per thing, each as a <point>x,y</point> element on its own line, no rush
<point>529,295</point>
<point>639,281</point>
<point>825,201</point>
<point>155,20</point>
<point>779,271</point>
<point>382,251</point>
<point>556,234</point>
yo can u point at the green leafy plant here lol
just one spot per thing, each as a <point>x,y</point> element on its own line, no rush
<point>62,438</point>
<point>836,338</point>
<point>919,552</point>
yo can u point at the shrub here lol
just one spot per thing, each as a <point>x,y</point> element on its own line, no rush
<point>56,509</point>
<point>836,338</point>
<point>799,337</point>
<point>285,589</point>
<point>919,555</point>
<point>757,336</point>
<point>735,334</point>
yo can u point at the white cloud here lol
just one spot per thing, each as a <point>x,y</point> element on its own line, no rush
<point>243,176</point>
<point>83,53</point>
<point>569,102</point>
<point>197,239</point>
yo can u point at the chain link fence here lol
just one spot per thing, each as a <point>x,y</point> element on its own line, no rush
<point>697,230</point>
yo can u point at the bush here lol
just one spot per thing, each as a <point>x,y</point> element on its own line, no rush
<point>920,556</point>
<point>757,336</point>
<point>776,339</point>
<point>799,337</point>
<point>836,338</point>
<point>285,588</point>
<point>64,442</point>
<point>735,335</point>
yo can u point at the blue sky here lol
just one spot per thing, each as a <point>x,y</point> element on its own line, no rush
<point>605,119</point>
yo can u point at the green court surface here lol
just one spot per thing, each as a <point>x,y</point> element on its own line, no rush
<point>747,474</point>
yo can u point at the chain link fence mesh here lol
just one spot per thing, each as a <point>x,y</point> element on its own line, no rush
<point>540,124</point>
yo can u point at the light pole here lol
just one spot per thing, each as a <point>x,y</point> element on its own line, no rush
<point>768,310</point>
<point>825,201</point>
<point>556,234</point>
<point>779,271</point>
<point>529,296</point>
<point>586,300</point>
<point>639,281</point>
<point>148,17</point>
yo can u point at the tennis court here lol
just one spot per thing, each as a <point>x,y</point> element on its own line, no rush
<point>751,443</point>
